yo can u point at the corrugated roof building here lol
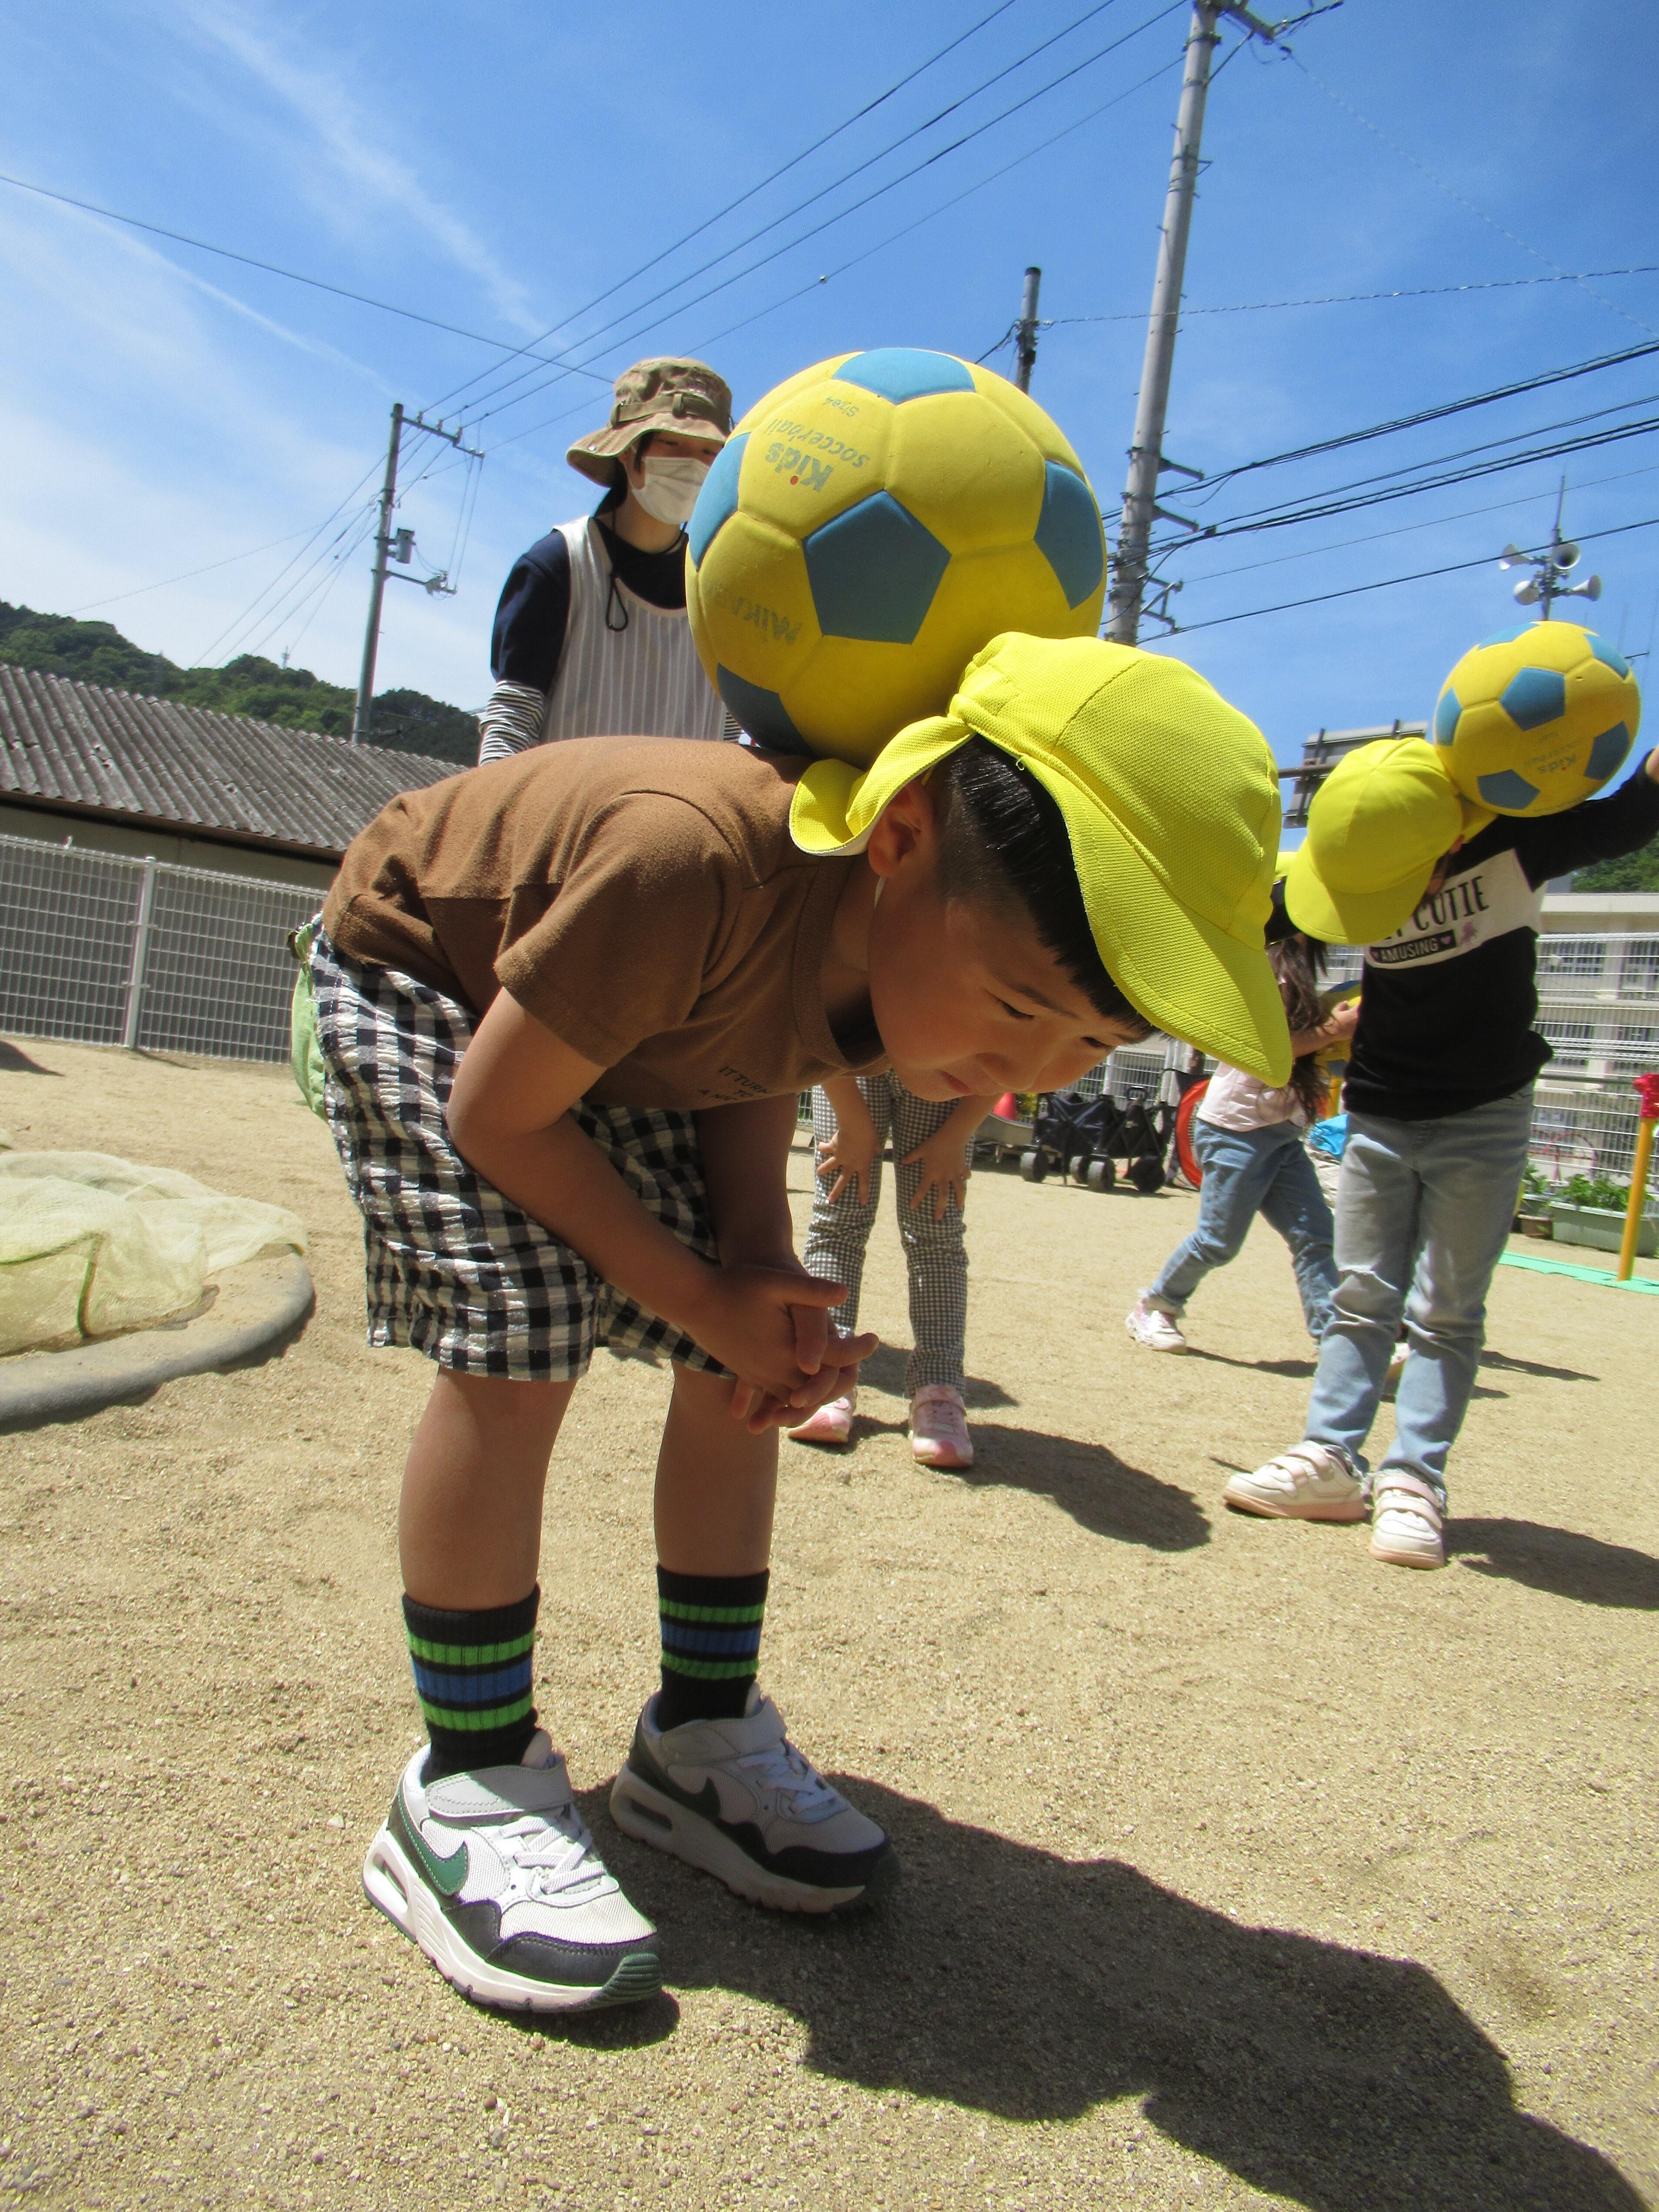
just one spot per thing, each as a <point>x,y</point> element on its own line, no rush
<point>128,775</point>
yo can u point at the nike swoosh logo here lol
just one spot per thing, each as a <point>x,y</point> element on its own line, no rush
<point>447,1874</point>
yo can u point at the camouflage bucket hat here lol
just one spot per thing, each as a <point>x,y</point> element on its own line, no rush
<point>683,398</point>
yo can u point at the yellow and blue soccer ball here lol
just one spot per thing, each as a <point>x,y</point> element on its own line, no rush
<point>870,525</point>
<point>1538,718</point>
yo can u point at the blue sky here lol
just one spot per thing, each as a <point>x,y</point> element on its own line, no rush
<point>499,168</point>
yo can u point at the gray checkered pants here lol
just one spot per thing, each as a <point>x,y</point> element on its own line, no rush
<point>453,1266</point>
<point>935,1256</point>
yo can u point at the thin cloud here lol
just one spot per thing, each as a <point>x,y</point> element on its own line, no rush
<point>329,116</point>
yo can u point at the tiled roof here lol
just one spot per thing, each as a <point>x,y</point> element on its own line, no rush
<point>152,761</point>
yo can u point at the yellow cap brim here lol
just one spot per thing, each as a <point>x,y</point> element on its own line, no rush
<point>1184,974</point>
<point>1344,917</point>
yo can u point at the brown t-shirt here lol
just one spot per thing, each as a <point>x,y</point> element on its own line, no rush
<point>640,896</point>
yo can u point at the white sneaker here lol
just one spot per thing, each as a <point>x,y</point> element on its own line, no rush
<point>736,1799</point>
<point>1397,1359</point>
<point>494,1875</point>
<point>938,1427</point>
<point>1153,1327</point>
<point>1310,1482</point>
<point>1406,1524</point>
<point>831,1423</point>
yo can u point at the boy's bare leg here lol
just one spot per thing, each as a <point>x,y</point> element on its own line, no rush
<point>462,1864</point>
<point>716,1484</point>
<point>711,1775</point>
<point>469,1520</point>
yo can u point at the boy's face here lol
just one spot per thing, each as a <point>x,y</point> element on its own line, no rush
<point>967,997</point>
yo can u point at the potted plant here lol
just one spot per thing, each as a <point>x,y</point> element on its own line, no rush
<point>1590,1210</point>
<point>1531,1212</point>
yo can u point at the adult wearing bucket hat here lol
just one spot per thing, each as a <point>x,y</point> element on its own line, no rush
<point>590,635</point>
<point>1446,899</point>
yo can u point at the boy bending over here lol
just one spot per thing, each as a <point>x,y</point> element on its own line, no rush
<point>567,1003</point>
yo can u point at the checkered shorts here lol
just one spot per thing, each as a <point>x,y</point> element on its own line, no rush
<point>454,1267</point>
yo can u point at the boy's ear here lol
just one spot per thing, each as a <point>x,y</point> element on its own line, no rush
<point>905,835</point>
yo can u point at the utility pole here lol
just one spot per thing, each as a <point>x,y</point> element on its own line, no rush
<point>1147,461</point>
<point>394,545</point>
<point>1026,329</point>
<point>359,720</point>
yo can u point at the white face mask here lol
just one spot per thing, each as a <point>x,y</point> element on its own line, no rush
<point>670,489</point>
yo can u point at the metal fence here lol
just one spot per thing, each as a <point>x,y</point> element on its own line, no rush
<point>99,950</point>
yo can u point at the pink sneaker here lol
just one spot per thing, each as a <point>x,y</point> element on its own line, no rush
<point>830,1425</point>
<point>938,1427</point>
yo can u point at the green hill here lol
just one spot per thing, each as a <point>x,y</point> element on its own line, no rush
<point>96,653</point>
<point>1631,871</point>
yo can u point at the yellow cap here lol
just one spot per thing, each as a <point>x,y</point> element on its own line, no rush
<point>1378,823</point>
<point>1170,798</point>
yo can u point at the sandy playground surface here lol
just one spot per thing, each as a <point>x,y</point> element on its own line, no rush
<point>1239,1870</point>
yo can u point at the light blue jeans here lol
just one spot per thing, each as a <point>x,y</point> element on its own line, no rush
<point>1247,1172</point>
<point>1423,1211</point>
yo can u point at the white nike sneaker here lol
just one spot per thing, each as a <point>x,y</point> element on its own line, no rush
<point>494,1875</point>
<point>1310,1482</point>
<point>1407,1523</point>
<point>736,1799</point>
<point>1153,1327</point>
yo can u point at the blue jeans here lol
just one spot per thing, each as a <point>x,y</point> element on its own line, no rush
<point>1247,1172</point>
<point>1423,1211</point>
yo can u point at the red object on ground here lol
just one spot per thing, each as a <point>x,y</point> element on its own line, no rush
<point>1647,1087</point>
<point>1005,1109</point>
<point>1183,1133</point>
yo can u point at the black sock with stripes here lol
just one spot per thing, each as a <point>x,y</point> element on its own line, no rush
<point>711,1632</point>
<point>472,1675</point>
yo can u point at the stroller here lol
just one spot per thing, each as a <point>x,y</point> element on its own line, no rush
<point>1084,1136</point>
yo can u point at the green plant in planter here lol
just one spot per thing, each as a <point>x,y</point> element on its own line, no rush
<point>1594,1191</point>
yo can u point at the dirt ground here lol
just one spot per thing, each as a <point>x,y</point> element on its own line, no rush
<point>1239,1870</point>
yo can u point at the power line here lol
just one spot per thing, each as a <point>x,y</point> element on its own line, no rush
<point>1357,298</point>
<point>1403,529</point>
<point>794,162</point>
<point>339,548</point>
<point>249,610</point>
<point>800,206</point>
<point>1452,193</point>
<point>945,207</point>
<point>1387,583</point>
<point>270,268</point>
<point>1429,415</point>
<point>184,576</point>
<point>1334,503</point>
<point>801,238</point>
<point>322,584</point>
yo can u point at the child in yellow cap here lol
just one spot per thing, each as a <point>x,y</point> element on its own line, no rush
<point>1446,899</point>
<point>567,1003</point>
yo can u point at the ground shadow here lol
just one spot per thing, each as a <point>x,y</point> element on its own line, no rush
<point>1501,1359</point>
<point>15,1062</point>
<point>1558,1560</point>
<point>1101,1491</point>
<point>1297,1369</point>
<point>1009,1981</point>
<point>884,1371</point>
